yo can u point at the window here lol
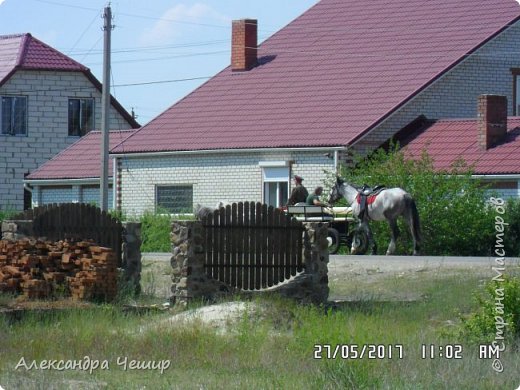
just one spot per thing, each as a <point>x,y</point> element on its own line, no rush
<point>81,116</point>
<point>516,90</point>
<point>276,186</point>
<point>14,115</point>
<point>174,199</point>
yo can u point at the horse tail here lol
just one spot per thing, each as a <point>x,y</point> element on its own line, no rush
<point>414,218</point>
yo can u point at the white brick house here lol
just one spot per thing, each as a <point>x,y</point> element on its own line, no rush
<point>345,75</point>
<point>48,101</point>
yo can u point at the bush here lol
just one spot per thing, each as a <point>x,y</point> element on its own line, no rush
<point>6,214</point>
<point>480,326</point>
<point>512,232</point>
<point>155,232</point>
<point>455,219</point>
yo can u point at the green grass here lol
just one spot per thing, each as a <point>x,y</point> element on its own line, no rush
<point>271,351</point>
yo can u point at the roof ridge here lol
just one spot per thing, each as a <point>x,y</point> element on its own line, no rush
<point>24,46</point>
<point>11,36</point>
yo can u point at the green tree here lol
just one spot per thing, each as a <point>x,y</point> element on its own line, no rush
<point>455,219</point>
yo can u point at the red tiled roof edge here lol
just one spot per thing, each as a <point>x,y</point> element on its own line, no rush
<point>92,133</point>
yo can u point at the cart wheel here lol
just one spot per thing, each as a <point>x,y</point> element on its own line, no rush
<point>333,239</point>
<point>361,237</point>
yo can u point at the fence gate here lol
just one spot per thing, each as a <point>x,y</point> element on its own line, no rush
<point>76,220</point>
<point>252,246</point>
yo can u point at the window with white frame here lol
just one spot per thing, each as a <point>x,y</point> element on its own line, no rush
<point>81,116</point>
<point>174,199</point>
<point>276,185</point>
<point>14,115</point>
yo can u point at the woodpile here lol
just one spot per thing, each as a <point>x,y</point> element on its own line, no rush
<point>41,269</point>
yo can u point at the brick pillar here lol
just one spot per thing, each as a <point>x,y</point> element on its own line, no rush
<point>491,120</point>
<point>244,44</point>
<point>118,183</point>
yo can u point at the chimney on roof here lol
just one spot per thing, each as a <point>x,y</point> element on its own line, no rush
<point>244,44</point>
<point>491,120</point>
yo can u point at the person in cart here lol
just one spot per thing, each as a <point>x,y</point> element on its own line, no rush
<point>299,193</point>
<point>314,198</point>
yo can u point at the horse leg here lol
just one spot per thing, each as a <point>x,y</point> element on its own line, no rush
<point>371,239</point>
<point>395,233</point>
<point>412,219</point>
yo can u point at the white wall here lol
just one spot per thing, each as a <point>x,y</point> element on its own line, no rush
<point>47,99</point>
<point>215,177</point>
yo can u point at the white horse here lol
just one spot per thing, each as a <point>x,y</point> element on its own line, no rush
<point>388,205</point>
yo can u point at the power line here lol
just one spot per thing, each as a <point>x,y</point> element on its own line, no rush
<point>79,89</point>
<point>66,5</point>
<point>163,81</point>
<point>185,55</point>
<point>83,34</point>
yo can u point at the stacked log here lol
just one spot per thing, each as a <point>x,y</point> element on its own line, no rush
<point>40,269</point>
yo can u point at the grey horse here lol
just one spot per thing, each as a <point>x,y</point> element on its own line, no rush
<point>388,205</point>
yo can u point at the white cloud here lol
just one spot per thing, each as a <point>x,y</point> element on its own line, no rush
<point>166,30</point>
<point>1,1</point>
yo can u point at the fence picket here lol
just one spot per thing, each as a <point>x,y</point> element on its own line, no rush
<point>246,248</point>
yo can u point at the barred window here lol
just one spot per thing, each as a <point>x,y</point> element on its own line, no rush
<point>81,116</point>
<point>14,115</point>
<point>174,199</point>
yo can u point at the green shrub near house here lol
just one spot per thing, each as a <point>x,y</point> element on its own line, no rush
<point>155,231</point>
<point>455,217</point>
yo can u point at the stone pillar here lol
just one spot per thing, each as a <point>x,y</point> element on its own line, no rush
<point>189,277</point>
<point>316,258</point>
<point>131,254</point>
<point>15,230</point>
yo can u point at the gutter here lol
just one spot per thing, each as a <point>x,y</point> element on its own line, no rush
<point>60,182</point>
<point>497,177</point>
<point>222,151</point>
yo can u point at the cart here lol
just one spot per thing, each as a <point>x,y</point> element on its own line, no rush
<point>343,226</point>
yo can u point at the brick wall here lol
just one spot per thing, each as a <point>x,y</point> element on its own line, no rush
<point>215,177</point>
<point>47,102</point>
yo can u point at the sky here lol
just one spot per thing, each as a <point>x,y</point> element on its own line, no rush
<point>161,49</point>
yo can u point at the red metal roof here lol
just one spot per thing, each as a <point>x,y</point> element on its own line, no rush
<point>447,141</point>
<point>23,51</point>
<point>81,160</point>
<point>329,76</point>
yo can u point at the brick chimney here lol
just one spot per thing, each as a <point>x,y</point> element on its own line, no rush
<point>491,120</point>
<point>244,44</point>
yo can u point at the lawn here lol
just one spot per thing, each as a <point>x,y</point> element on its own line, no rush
<point>273,349</point>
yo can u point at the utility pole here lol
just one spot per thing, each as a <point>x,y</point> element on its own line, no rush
<point>105,110</point>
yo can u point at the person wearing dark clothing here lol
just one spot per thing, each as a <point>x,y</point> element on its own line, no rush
<point>314,198</point>
<point>299,193</point>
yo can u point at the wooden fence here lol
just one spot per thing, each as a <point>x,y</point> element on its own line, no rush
<point>75,220</point>
<point>252,246</point>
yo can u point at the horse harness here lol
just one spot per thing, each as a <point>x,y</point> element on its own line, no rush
<point>366,196</point>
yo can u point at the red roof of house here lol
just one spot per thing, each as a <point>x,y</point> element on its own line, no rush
<point>329,76</point>
<point>447,141</point>
<point>81,160</point>
<point>24,52</point>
